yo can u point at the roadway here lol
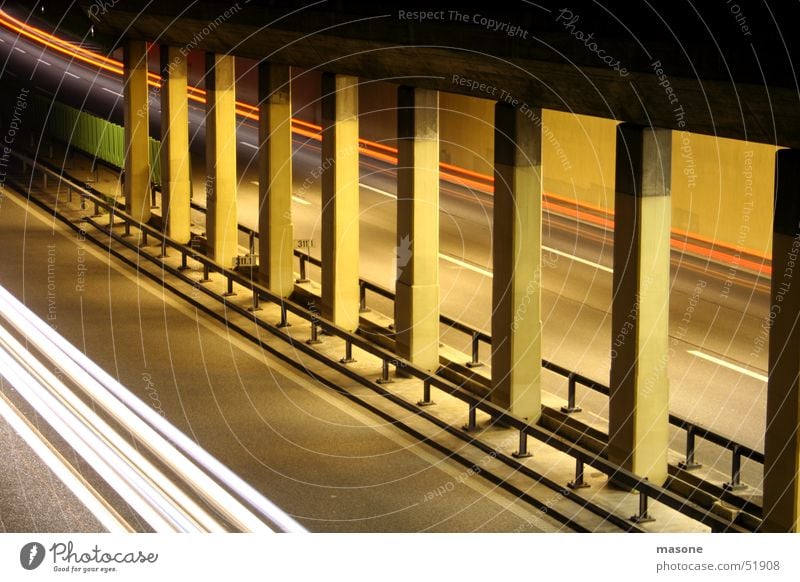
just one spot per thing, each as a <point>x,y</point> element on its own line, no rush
<point>325,460</point>
<point>717,377</point>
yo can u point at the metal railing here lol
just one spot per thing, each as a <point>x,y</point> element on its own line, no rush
<point>582,456</point>
<point>574,379</point>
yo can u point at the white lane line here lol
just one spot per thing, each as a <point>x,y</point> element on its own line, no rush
<point>44,62</point>
<point>16,48</point>
<point>2,40</point>
<point>488,273</point>
<point>578,259</point>
<point>73,75</point>
<point>728,365</point>
<point>112,92</point>
<point>378,191</point>
<point>471,267</point>
<point>244,143</point>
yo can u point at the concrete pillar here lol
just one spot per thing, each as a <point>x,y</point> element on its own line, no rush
<point>639,402</point>
<point>417,288</point>
<point>175,160</point>
<point>136,115</point>
<point>517,243</point>
<point>275,178</point>
<point>221,178</point>
<point>781,510</point>
<point>340,211</point>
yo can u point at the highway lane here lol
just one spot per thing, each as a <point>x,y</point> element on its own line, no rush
<point>576,295</point>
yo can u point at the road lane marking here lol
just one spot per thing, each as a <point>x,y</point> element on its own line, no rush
<point>378,191</point>
<point>73,75</point>
<point>112,92</point>
<point>471,267</point>
<point>16,48</point>
<point>44,62</point>
<point>489,273</point>
<point>578,259</point>
<point>728,365</point>
<point>244,143</point>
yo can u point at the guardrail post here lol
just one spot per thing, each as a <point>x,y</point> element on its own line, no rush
<point>44,180</point>
<point>476,362</point>
<point>163,254</point>
<point>153,196</point>
<point>348,353</point>
<point>144,238</point>
<point>205,278</point>
<point>69,193</point>
<point>83,202</point>
<point>522,452</point>
<point>643,516</point>
<point>184,266</point>
<point>578,482</point>
<point>284,322</point>
<point>255,306</point>
<point>472,419</point>
<point>252,242</point>
<point>314,333</point>
<point>362,298</point>
<point>570,407</point>
<point>303,278</point>
<point>426,394</point>
<point>384,379</point>
<point>230,292</point>
<point>97,212</point>
<point>689,463</point>
<point>735,483</point>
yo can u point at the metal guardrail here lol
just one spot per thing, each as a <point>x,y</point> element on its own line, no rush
<point>582,456</point>
<point>574,379</point>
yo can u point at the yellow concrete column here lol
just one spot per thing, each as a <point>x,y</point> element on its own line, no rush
<point>175,161</point>
<point>137,120</point>
<point>417,289</point>
<point>639,402</point>
<point>275,177</point>
<point>781,509</point>
<point>221,217</point>
<point>517,240</point>
<point>340,211</point>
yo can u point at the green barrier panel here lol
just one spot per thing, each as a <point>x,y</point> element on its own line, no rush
<point>91,134</point>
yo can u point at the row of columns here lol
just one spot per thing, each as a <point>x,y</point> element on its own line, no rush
<point>639,397</point>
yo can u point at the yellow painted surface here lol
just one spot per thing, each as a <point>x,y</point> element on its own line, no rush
<point>721,188</point>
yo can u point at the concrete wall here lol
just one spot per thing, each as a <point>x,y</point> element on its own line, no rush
<point>721,188</point>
